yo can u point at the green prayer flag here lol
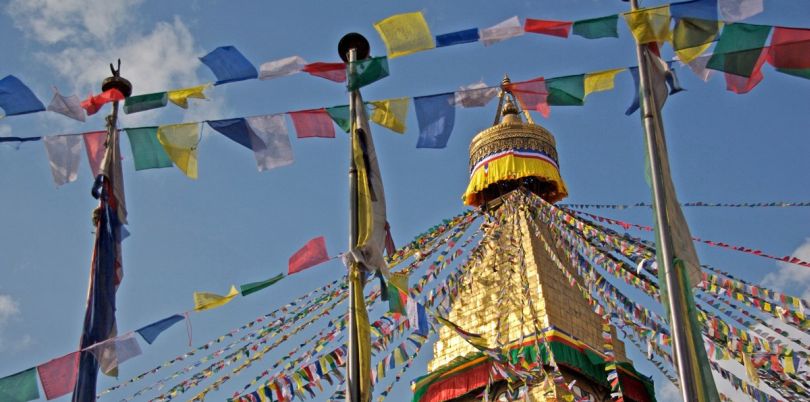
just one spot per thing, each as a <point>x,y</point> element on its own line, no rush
<point>139,103</point>
<point>340,115</point>
<point>566,91</point>
<point>20,387</point>
<point>796,72</point>
<point>692,37</point>
<point>254,287</point>
<point>595,28</point>
<point>146,149</point>
<point>739,48</point>
<point>364,72</point>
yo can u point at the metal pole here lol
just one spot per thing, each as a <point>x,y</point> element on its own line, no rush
<point>353,363</point>
<point>654,132</point>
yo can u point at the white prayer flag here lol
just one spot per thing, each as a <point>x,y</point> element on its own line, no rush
<point>280,68</point>
<point>115,351</point>
<point>738,10</point>
<point>698,66</point>
<point>64,153</point>
<point>274,150</point>
<point>70,106</point>
<point>504,30</point>
<point>475,95</point>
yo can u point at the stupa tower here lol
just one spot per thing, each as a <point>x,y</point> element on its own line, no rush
<point>518,296</point>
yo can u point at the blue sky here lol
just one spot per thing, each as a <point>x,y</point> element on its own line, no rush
<point>235,225</point>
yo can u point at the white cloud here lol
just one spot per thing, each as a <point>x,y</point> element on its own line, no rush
<point>791,278</point>
<point>5,131</point>
<point>9,308</point>
<point>667,392</point>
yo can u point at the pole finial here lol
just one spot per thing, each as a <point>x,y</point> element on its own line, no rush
<point>353,41</point>
<point>116,81</point>
<point>505,82</point>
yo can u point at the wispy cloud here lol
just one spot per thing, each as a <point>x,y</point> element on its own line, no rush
<point>791,278</point>
<point>9,308</point>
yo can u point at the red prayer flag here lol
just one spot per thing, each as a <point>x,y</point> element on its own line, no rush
<point>312,254</point>
<point>790,48</point>
<point>331,71</point>
<point>94,145</point>
<point>58,376</point>
<point>548,27</point>
<point>313,123</point>
<point>742,85</point>
<point>532,94</point>
<point>93,103</point>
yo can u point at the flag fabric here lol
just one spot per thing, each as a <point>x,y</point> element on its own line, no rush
<point>790,48</point>
<point>150,332</point>
<point>548,27</point>
<point>180,96</point>
<point>58,376</point>
<point>281,67</point>
<point>20,387</point>
<point>422,327</point>
<point>796,72</point>
<point>16,98</point>
<point>271,141</point>
<point>235,129</point>
<point>180,142</point>
<point>140,103</point>
<point>312,123</point>
<point>391,113</point>
<point>313,253</point>
<point>595,28</point>
<point>113,172</point>
<point>566,91</point>
<point>364,72</point>
<point>397,292</point>
<point>738,10</point>
<point>436,116</point>
<point>636,92</point>
<point>649,24</point>
<point>208,301</point>
<point>701,9</point>
<point>253,287</point>
<point>663,79</point>
<point>404,34</point>
<point>94,145</point>
<point>601,80</point>
<point>64,154</point>
<point>340,115</point>
<point>738,49</point>
<point>507,29</point>
<point>112,352</point>
<point>698,66</point>
<point>742,85</point>
<point>532,95</point>
<point>229,65</point>
<point>693,36</point>
<point>69,106</point>
<point>331,71</point>
<point>475,95</point>
<point>458,37</point>
<point>93,103</point>
<point>147,152</point>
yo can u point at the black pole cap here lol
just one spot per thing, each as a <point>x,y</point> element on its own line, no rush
<point>353,41</point>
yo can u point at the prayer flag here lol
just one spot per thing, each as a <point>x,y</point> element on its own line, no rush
<point>270,141</point>
<point>112,352</point>
<point>64,153</point>
<point>235,129</point>
<point>436,115</point>
<point>475,95</point>
<point>702,9</point>
<point>693,36</point>
<point>501,31</point>
<point>423,327</point>
<point>364,72</point>
<point>331,71</point>
<point>340,115</point>
<point>601,80</point>
<point>139,103</point>
<point>532,95</point>
<point>458,37</point>
<point>649,24</point>
<point>391,113</point>
<point>404,34</point>
<point>312,123</point>
<point>93,103</point>
<point>790,48</point>
<point>146,149</point>
<point>253,287</point>
<point>69,106</point>
<point>397,292</point>
<point>229,65</point>
<point>566,91</point>
<point>739,48</point>
<point>180,142</point>
<point>595,28</point>
<point>796,72</point>
<point>180,96</point>
<point>662,77</point>
<point>743,85</point>
<point>547,27</point>
<point>16,98</point>
<point>208,301</point>
<point>150,332</point>
<point>94,144</point>
<point>738,10</point>
<point>19,387</point>
<point>698,66</point>
<point>58,376</point>
<point>312,254</point>
<point>282,67</point>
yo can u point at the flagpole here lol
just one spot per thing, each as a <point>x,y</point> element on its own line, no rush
<point>654,135</point>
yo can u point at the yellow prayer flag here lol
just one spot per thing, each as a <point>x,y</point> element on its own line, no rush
<point>650,24</point>
<point>601,80</point>
<point>180,96</point>
<point>207,301</point>
<point>405,34</point>
<point>750,370</point>
<point>788,365</point>
<point>180,143</point>
<point>391,113</point>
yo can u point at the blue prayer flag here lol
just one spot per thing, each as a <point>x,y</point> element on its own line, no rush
<point>436,115</point>
<point>422,326</point>
<point>236,129</point>
<point>634,106</point>
<point>16,98</point>
<point>701,9</point>
<point>151,331</point>
<point>458,37</point>
<point>229,65</point>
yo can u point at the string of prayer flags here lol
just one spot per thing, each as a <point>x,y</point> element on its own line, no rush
<point>253,287</point>
<point>180,96</point>
<point>112,352</point>
<point>739,48</point>
<point>64,154</point>
<point>281,68</point>
<point>229,65</point>
<point>16,98</point>
<point>312,123</point>
<point>532,95</point>
<point>271,146</point>
<point>404,34</point>
<point>436,116</point>
<point>458,37</point>
<point>548,27</point>
<point>507,29</point>
<point>600,81</point>
<point>595,28</point>
<point>69,106</point>
<point>738,10</point>
<point>649,24</point>
<point>790,48</point>
<point>58,376</point>
<point>566,91</point>
<point>140,103</point>
<point>147,152</point>
<point>180,143</point>
<point>391,113</point>
<point>475,95</point>
<point>313,253</point>
<point>364,72</point>
<point>331,71</point>
<point>20,387</point>
<point>93,103</point>
<point>340,115</point>
<point>150,332</point>
<point>94,145</point>
<point>208,301</point>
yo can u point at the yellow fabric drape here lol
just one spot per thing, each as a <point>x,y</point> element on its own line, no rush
<point>405,34</point>
<point>601,80</point>
<point>650,24</point>
<point>180,96</point>
<point>207,300</point>
<point>512,167</point>
<point>363,333</point>
<point>391,113</point>
<point>180,143</point>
